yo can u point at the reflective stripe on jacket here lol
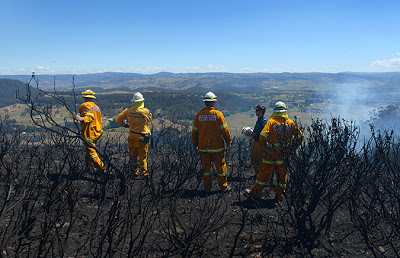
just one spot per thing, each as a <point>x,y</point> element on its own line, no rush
<point>210,130</point>
<point>91,126</point>
<point>138,119</point>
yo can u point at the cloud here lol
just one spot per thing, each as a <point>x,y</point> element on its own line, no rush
<point>41,68</point>
<point>8,71</point>
<point>196,68</point>
<point>387,63</point>
<point>216,67</point>
<point>247,69</point>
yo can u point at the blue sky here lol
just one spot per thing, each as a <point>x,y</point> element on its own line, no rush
<point>56,37</point>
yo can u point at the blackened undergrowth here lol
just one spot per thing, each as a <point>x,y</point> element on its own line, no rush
<point>342,199</point>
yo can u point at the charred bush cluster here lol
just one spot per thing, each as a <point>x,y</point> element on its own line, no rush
<point>342,199</point>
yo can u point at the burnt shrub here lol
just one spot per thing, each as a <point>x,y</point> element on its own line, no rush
<point>319,178</point>
<point>375,206</point>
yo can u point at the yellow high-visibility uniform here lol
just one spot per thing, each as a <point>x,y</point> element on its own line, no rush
<point>91,130</point>
<point>210,133</point>
<point>278,136</point>
<point>138,119</point>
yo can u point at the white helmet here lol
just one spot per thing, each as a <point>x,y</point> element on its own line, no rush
<point>247,132</point>
<point>280,107</point>
<point>210,97</point>
<point>137,97</point>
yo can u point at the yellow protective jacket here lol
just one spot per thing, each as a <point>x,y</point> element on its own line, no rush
<point>138,119</point>
<point>91,126</point>
<point>210,130</point>
<point>278,137</point>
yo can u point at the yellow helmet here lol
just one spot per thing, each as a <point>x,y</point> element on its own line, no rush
<point>88,94</point>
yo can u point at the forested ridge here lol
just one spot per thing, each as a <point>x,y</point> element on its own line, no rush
<point>213,81</point>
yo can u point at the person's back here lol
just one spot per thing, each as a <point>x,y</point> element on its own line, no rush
<point>92,125</point>
<point>138,119</point>
<point>138,140</point>
<point>211,129</point>
<point>279,134</point>
<point>210,133</point>
<point>91,128</point>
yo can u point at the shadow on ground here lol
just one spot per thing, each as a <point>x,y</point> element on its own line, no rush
<point>251,203</point>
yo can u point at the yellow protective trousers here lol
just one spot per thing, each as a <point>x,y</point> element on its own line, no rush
<point>256,156</point>
<point>219,160</point>
<point>266,170</point>
<point>92,157</point>
<point>138,148</point>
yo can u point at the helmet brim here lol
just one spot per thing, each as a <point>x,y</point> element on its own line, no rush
<point>89,96</point>
<point>137,100</point>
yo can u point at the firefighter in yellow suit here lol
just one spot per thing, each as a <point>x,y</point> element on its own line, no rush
<point>278,137</point>
<point>210,133</point>
<point>91,128</point>
<point>138,141</point>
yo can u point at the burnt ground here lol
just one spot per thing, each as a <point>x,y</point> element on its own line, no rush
<point>52,205</point>
<point>93,217</point>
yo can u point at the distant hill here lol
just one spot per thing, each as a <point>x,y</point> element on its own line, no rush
<point>8,89</point>
<point>192,82</point>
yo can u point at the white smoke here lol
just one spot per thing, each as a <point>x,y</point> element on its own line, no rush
<point>360,102</point>
<point>353,101</point>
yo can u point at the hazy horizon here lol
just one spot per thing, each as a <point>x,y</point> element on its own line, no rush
<point>177,73</point>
